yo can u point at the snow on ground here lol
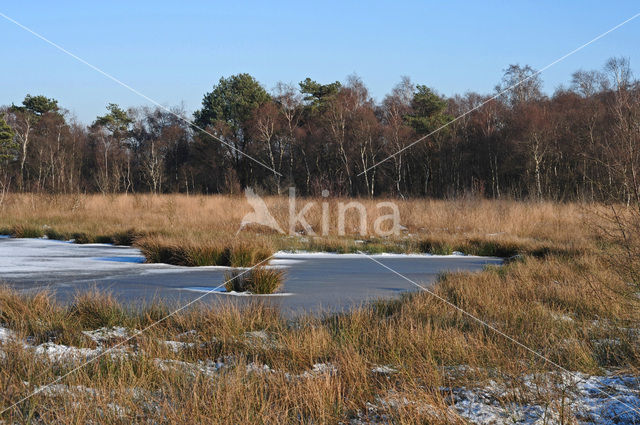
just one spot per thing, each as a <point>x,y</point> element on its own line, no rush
<point>177,346</point>
<point>20,257</point>
<point>80,392</point>
<point>585,398</point>
<point>223,291</point>
<point>201,367</point>
<point>57,352</point>
<point>534,400</point>
<point>106,334</point>
<point>261,339</point>
<point>384,370</point>
<point>283,261</point>
<point>35,258</point>
<point>6,335</point>
<point>307,255</point>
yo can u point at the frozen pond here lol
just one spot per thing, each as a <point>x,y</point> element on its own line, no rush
<point>314,282</point>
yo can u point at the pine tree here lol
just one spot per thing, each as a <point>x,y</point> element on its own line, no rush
<point>8,145</point>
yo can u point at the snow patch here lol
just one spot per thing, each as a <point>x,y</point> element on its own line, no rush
<point>384,370</point>
<point>57,352</point>
<point>306,255</point>
<point>177,346</point>
<point>7,335</point>
<point>223,291</point>
<point>104,334</point>
<point>586,399</point>
<point>201,367</point>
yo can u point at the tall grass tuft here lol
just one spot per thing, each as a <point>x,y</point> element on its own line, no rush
<point>97,309</point>
<point>26,231</point>
<point>259,280</point>
<point>212,253</point>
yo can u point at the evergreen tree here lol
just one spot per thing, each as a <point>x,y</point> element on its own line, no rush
<point>8,145</point>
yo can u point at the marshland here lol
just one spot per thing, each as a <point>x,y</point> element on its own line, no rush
<point>206,216</point>
<point>412,358</point>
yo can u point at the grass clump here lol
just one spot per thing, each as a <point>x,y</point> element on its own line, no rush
<point>96,309</point>
<point>126,237</point>
<point>259,280</point>
<point>247,254</point>
<point>182,252</point>
<point>26,231</point>
<point>495,247</point>
<point>82,238</point>
<point>52,233</point>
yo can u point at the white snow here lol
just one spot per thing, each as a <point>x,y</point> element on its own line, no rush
<point>222,291</point>
<point>204,367</point>
<point>561,317</point>
<point>6,335</point>
<point>283,261</point>
<point>35,258</point>
<point>384,370</point>
<point>105,334</point>
<point>307,255</point>
<point>585,396</point>
<point>257,368</point>
<point>177,346</point>
<point>57,352</point>
<point>585,399</point>
<point>20,257</point>
<point>319,369</point>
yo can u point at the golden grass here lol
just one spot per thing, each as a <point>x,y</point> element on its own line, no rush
<point>258,280</point>
<point>551,305</point>
<point>202,230</point>
<point>561,298</point>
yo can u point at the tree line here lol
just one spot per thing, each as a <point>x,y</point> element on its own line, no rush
<point>580,143</point>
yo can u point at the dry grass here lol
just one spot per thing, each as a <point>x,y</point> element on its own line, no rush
<point>201,230</point>
<point>550,305</point>
<point>258,280</point>
<point>560,298</point>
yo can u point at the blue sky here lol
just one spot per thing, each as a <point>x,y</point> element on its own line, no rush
<point>174,52</point>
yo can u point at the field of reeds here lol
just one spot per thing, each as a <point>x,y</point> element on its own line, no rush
<point>205,230</point>
<point>413,360</point>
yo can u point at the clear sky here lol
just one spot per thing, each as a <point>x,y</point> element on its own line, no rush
<point>174,52</point>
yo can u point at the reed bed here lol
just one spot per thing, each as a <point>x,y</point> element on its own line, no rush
<point>393,361</point>
<point>206,230</point>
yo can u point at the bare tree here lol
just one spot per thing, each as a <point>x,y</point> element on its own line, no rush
<point>289,101</point>
<point>397,133</point>
<point>523,82</point>
<point>22,122</point>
